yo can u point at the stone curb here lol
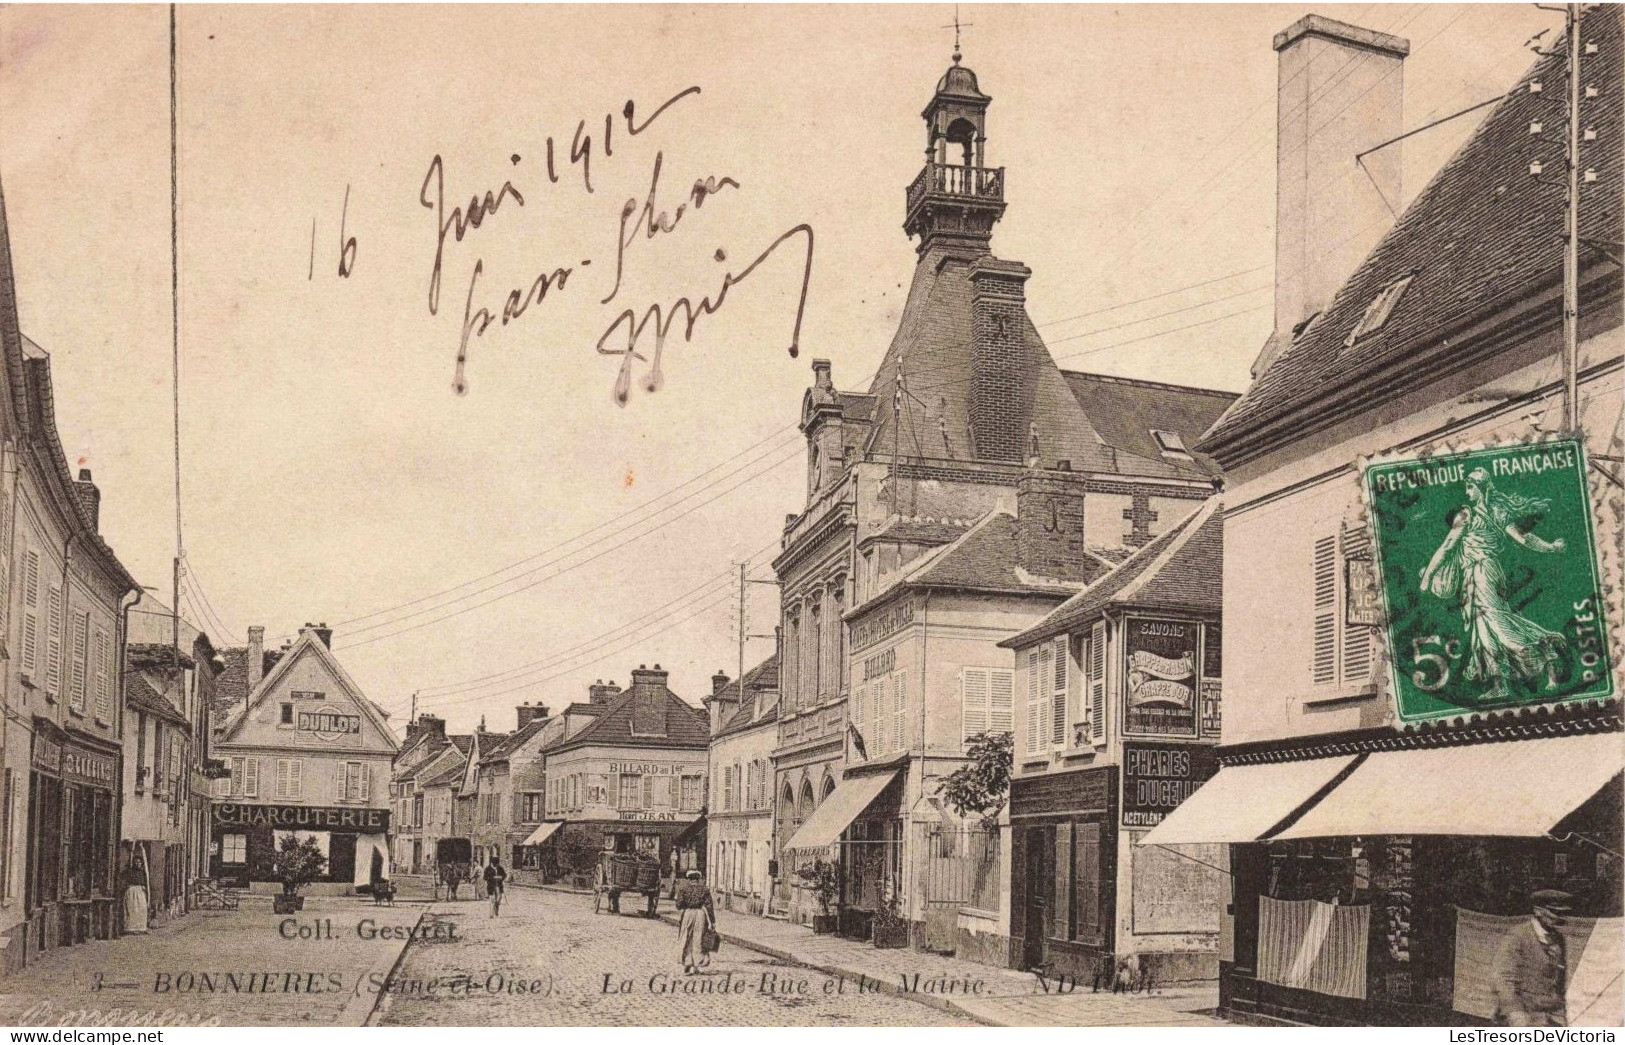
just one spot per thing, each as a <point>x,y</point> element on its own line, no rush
<point>930,1000</point>
<point>380,1003</point>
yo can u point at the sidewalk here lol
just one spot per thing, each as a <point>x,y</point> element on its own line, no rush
<point>989,995</point>
<point>219,968</point>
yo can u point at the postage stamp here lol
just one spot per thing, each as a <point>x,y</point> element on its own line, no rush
<point>1489,579</point>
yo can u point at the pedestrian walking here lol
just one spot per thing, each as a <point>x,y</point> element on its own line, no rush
<point>495,878</point>
<point>695,916</point>
<point>1531,970</point>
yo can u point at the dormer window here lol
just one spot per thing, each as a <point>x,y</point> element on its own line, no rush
<point>1381,307</point>
<point>1170,444</point>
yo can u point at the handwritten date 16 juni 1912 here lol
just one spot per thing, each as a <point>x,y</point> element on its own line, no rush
<point>645,329</point>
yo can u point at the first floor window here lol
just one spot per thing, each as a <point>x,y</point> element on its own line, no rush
<point>631,793</point>
<point>234,849</point>
<point>691,794</point>
<point>357,782</point>
<point>290,778</point>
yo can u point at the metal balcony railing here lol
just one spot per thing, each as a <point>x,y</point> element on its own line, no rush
<point>942,179</point>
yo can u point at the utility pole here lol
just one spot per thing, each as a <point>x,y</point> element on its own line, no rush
<point>1571,228</point>
<point>743,634</point>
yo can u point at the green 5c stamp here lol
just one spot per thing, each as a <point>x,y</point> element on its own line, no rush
<point>1489,580</point>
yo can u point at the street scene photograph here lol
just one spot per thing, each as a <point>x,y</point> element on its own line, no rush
<point>819,515</point>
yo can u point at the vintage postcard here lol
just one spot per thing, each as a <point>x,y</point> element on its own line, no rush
<point>812,516</point>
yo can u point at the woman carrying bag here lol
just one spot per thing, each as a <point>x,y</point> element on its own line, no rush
<point>696,923</point>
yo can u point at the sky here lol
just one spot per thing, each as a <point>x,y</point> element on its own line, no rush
<point>532,533</point>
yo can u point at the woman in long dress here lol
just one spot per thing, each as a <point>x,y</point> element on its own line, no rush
<point>1467,569</point>
<point>695,914</point>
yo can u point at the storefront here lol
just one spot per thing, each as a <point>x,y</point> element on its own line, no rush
<point>1362,895</point>
<point>859,828</point>
<point>353,839</point>
<point>72,844</point>
<point>1064,847</point>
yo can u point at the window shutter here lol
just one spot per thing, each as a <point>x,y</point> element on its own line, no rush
<point>104,689</point>
<point>882,712</point>
<point>81,652</point>
<point>31,613</point>
<point>1001,702</point>
<point>366,783</point>
<point>1034,726</point>
<point>615,790</point>
<point>974,698</point>
<point>239,782</point>
<point>900,700</point>
<point>252,778</point>
<point>648,792</point>
<point>858,699</point>
<point>53,642</point>
<point>296,778</point>
<point>1058,703</point>
<point>1097,682</point>
<point>1325,623</point>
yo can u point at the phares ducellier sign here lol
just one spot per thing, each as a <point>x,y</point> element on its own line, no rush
<point>1489,579</point>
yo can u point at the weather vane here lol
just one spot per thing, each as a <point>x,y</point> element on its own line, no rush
<point>956,26</point>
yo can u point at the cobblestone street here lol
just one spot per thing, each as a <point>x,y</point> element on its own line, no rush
<point>554,941</point>
<point>238,968</point>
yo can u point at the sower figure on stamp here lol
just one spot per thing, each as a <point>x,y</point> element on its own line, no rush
<point>495,878</point>
<point>1530,976</point>
<point>1469,568</point>
<point>695,915</point>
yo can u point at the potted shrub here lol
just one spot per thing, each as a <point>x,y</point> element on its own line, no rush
<point>297,862</point>
<point>820,878</point>
<point>890,928</point>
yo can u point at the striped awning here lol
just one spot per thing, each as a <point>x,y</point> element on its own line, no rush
<point>542,833</point>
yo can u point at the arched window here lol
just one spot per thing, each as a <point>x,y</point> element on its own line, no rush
<point>829,788</point>
<point>808,802</point>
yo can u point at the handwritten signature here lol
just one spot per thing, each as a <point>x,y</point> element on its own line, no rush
<point>662,319</point>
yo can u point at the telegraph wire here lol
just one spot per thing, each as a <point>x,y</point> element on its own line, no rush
<point>500,677</point>
<point>795,451</point>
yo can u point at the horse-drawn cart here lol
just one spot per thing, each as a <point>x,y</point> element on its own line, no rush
<point>625,873</point>
<point>454,865</point>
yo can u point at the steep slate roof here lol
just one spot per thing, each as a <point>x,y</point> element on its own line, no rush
<point>1124,410</point>
<point>140,696</point>
<point>987,558</point>
<point>1182,570</point>
<point>514,741</point>
<point>461,741</point>
<point>319,649</point>
<point>686,725</point>
<point>231,685</point>
<point>917,531</point>
<point>1481,235</point>
<point>933,347</point>
<point>761,683</point>
<point>41,419</point>
<point>452,774</point>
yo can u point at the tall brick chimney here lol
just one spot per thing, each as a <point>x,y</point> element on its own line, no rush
<point>1340,93</point>
<point>1050,524</point>
<point>722,702</point>
<point>602,692</point>
<point>321,631</point>
<point>649,701</point>
<point>254,658</point>
<point>90,498</point>
<point>528,713</point>
<point>999,404</point>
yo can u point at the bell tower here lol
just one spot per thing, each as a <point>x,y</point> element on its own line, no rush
<point>956,199</point>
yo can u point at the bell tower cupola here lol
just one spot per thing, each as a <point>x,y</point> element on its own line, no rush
<point>956,199</point>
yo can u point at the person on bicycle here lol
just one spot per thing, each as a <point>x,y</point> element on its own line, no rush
<point>495,878</point>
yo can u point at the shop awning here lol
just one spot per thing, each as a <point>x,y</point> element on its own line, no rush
<point>844,805</point>
<point>542,833</point>
<point>1243,802</point>
<point>1518,788</point>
